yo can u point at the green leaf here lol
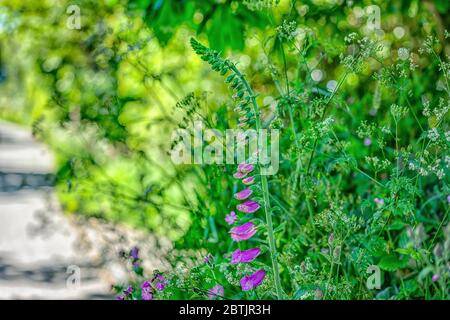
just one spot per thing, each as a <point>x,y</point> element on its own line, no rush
<point>397,225</point>
<point>377,246</point>
<point>392,263</point>
<point>424,273</point>
<point>166,20</point>
<point>442,6</point>
<point>226,31</point>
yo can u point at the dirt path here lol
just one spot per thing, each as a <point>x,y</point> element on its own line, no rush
<point>42,251</point>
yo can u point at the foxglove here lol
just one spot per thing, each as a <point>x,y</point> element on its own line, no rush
<point>244,194</point>
<point>249,206</point>
<point>243,232</point>
<point>249,255</point>
<point>252,281</point>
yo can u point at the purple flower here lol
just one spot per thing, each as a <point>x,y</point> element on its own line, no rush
<point>160,282</point>
<point>129,290</point>
<point>435,277</point>
<point>215,291</point>
<point>379,201</point>
<point>244,194</point>
<point>231,217</point>
<point>147,295</point>
<point>146,291</point>
<point>134,253</point>
<point>243,232</point>
<point>239,175</point>
<point>250,180</point>
<point>252,281</point>
<point>120,298</point>
<point>245,256</point>
<point>248,206</point>
<point>145,284</point>
<point>246,167</point>
<point>367,142</point>
<point>448,197</point>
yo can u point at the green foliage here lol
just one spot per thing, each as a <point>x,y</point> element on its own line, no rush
<point>363,116</point>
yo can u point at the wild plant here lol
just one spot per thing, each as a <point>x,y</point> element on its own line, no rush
<point>353,191</point>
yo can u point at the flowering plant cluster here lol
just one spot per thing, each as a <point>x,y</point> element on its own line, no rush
<point>144,289</point>
<point>358,93</point>
<point>360,205</point>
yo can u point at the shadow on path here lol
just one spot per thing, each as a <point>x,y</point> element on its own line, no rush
<point>14,181</point>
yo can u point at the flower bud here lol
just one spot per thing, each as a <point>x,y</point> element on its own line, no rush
<point>435,277</point>
<point>331,238</point>
<point>318,294</point>
<point>437,251</point>
<point>230,78</point>
<point>337,252</point>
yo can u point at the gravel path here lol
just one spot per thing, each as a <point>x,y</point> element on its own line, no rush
<point>42,251</point>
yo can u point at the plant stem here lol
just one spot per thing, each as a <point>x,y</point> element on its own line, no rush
<point>316,140</point>
<point>265,191</point>
<point>272,246</point>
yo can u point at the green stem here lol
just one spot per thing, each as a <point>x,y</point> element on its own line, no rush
<point>265,191</point>
<point>272,246</point>
<point>316,140</point>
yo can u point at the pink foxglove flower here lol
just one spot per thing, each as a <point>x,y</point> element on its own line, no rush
<point>239,175</point>
<point>215,291</point>
<point>249,206</point>
<point>248,180</point>
<point>243,232</point>
<point>246,167</point>
<point>252,281</point>
<point>231,218</point>
<point>244,194</point>
<point>249,255</point>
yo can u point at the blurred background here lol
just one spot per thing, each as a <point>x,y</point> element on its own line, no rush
<point>88,102</point>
